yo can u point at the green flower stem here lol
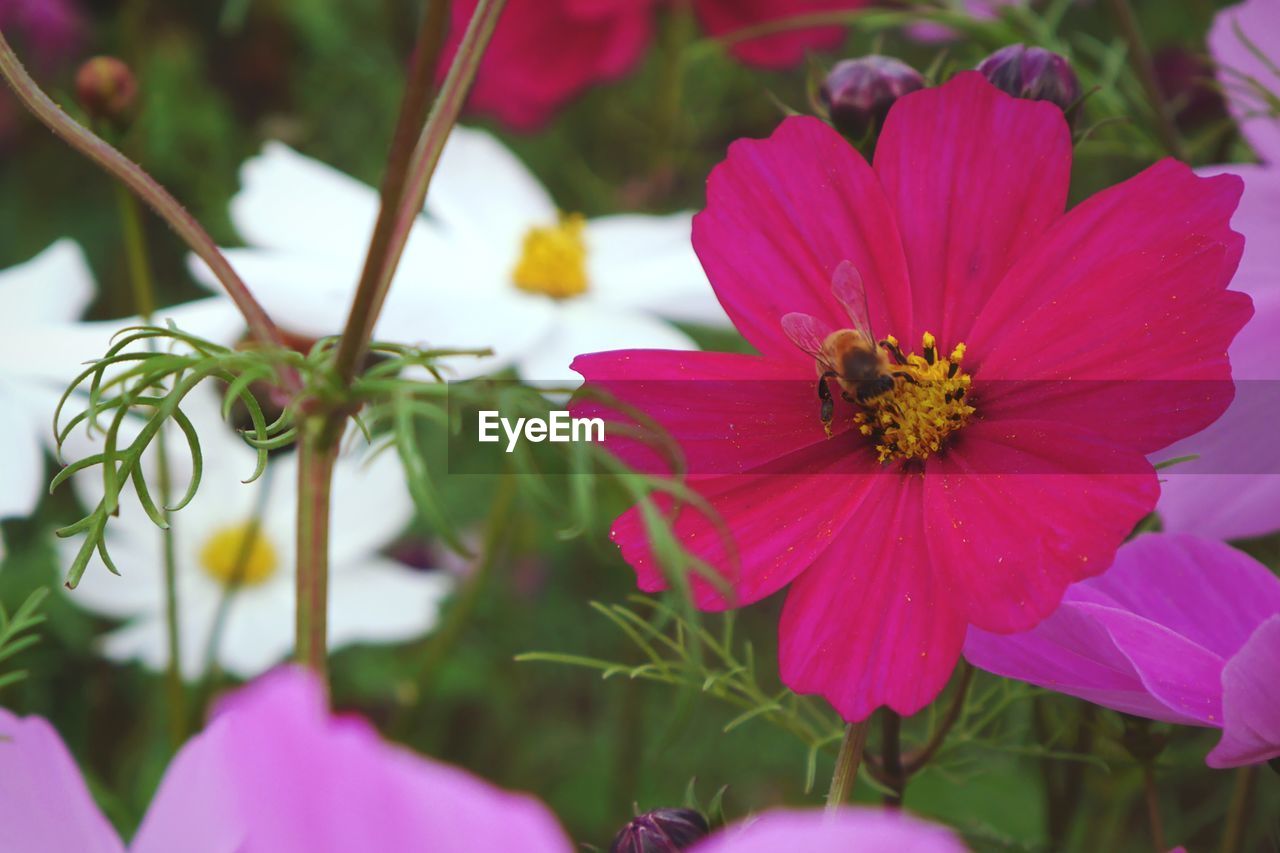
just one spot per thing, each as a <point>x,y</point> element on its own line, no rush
<point>1153,807</point>
<point>1144,69</point>
<point>316,459</point>
<point>917,761</point>
<point>140,280</point>
<point>1238,810</point>
<point>678,34</point>
<point>373,288</point>
<point>146,188</point>
<point>847,763</point>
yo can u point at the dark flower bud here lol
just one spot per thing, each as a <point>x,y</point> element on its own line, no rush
<point>858,92</point>
<point>107,90</point>
<point>661,831</point>
<point>1033,73</point>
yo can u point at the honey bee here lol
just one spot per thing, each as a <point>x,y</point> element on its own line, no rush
<point>862,366</point>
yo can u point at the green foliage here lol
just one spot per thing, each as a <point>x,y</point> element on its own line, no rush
<point>16,633</point>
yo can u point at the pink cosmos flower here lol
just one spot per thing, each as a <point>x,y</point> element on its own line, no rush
<point>1053,349</point>
<point>1233,490</point>
<point>275,773</point>
<point>1180,629</point>
<point>546,52</point>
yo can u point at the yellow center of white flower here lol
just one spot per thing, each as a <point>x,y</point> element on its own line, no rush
<point>914,419</point>
<point>239,555</point>
<point>553,259</point>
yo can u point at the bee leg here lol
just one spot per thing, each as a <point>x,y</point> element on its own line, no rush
<point>896,351</point>
<point>902,374</point>
<point>828,403</point>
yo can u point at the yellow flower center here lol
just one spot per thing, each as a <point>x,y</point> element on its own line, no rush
<point>914,419</point>
<point>239,555</point>
<point>553,260</point>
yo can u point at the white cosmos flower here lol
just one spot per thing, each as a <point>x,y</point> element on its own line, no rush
<point>235,544</point>
<point>492,262</point>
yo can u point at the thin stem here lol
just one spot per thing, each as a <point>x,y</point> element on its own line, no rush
<point>848,761</point>
<point>891,757</point>
<point>315,474</point>
<point>1153,807</point>
<point>140,282</point>
<point>678,31</point>
<point>372,291</point>
<point>414,105</point>
<point>1144,68</point>
<point>1238,810</point>
<point>917,762</point>
<point>147,189</point>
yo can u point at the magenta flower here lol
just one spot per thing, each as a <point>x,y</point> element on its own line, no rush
<point>1233,490</point>
<point>272,773</point>
<point>1009,463</point>
<point>51,30</point>
<point>546,52</point>
<point>1180,629</point>
<point>275,773</point>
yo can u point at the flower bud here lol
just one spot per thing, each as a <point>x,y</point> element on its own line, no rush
<point>661,831</point>
<point>858,92</point>
<point>107,90</point>
<point>1033,73</point>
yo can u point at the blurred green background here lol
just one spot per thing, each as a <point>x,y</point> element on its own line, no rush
<point>217,78</point>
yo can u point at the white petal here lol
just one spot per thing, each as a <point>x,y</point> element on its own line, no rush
<point>482,194</point>
<point>304,293</point>
<point>56,284</point>
<point>259,630</point>
<point>292,202</point>
<point>214,319</point>
<point>585,328</point>
<point>139,588</point>
<point>381,601</point>
<point>21,456</point>
<point>370,504</point>
<point>648,262</point>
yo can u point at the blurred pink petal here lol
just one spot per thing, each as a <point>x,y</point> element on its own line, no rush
<point>44,804</point>
<point>1240,33</point>
<point>849,830</point>
<point>1180,629</point>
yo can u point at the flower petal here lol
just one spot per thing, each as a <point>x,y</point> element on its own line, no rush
<point>781,215</point>
<point>975,177</point>
<point>1250,701</point>
<point>1241,36</point>
<point>23,455</point>
<point>370,504</point>
<point>872,622</point>
<point>1006,483</point>
<point>275,772</point>
<point>1124,326</point>
<point>55,285</point>
<point>648,263</point>
<point>583,327</point>
<point>784,49</point>
<point>847,830</point>
<point>44,804</point>
<point>382,601</point>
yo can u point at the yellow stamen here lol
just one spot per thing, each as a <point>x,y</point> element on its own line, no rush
<point>553,261</point>
<point>239,555</point>
<point>915,418</point>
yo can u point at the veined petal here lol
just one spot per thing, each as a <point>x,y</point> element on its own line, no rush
<point>1007,483</point>
<point>44,804</point>
<point>782,213</point>
<point>975,177</point>
<point>873,621</point>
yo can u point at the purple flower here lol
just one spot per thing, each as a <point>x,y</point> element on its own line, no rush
<point>274,772</point>
<point>51,30</point>
<point>1180,629</point>
<point>1233,490</point>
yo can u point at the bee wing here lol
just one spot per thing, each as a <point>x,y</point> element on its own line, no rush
<point>808,333</point>
<point>847,286</point>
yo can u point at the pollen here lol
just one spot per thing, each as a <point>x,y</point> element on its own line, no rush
<point>553,259</point>
<point>926,405</point>
<point>239,555</point>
